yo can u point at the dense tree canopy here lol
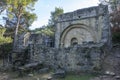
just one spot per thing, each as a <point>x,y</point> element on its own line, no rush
<point>4,40</point>
<point>54,15</point>
<point>50,28</point>
<point>2,5</point>
<point>18,12</point>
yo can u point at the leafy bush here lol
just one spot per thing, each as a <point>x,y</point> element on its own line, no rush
<point>79,77</point>
<point>4,40</point>
<point>116,37</point>
<point>5,43</point>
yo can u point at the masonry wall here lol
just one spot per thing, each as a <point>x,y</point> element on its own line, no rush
<point>95,19</point>
<point>87,56</point>
<point>78,58</point>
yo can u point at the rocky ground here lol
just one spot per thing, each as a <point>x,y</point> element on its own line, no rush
<point>107,78</point>
<point>13,76</point>
<point>4,76</point>
<point>112,64</point>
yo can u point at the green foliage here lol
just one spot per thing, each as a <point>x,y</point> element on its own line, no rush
<point>20,9</point>
<point>79,77</point>
<point>53,18</point>
<point>46,30</point>
<point>29,18</point>
<point>14,4</point>
<point>4,40</point>
<point>113,4</point>
<point>50,28</point>
<point>5,43</point>
<point>2,31</point>
<point>5,48</point>
<point>16,10</point>
<point>54,15</point>
<point>114,18</point>
<point>2,6</point>
<point>116,37</point>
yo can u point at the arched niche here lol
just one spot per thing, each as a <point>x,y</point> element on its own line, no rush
<point>77,32</point>
<point>74,41</point>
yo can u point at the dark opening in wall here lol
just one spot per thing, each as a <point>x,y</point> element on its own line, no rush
<point>74,41</point>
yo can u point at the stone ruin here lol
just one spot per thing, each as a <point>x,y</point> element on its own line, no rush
<point>82,37</point>
<point>84,25</point>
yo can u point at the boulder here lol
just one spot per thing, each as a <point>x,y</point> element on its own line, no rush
<point>59,74</point>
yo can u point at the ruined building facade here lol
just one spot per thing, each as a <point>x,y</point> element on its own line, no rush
<point>84,25</point>
<point>81,40</point>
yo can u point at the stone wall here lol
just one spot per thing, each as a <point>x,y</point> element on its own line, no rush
<point>88,24</point>
<point>82,58</point>
<point>22,41</point>
<point>41,39</point>
<point>112,60</point>
<point>89,28</point>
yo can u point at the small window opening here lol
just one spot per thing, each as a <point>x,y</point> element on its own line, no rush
<point>74,41</point>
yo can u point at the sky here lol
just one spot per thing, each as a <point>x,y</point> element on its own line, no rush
<point>44,7</point>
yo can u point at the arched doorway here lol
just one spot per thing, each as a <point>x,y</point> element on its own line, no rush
<point>76,34</point>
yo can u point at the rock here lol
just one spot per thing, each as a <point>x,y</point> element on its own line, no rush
<point>59,74</point>
<point>44,70</point>
<point>110,73</point>
<point>4,78</point>
<point>49,78</point>
<point>117,77</point>
<point>30,75</point>
<point>37,79</point>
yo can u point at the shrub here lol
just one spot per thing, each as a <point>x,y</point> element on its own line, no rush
<point>116,37</point>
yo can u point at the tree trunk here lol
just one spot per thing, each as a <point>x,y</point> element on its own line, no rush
<point>16,34</point>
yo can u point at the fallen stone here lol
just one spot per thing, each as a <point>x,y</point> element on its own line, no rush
<point>49,78</point>
<point>30,75</point>
<point>110,73</point>
<point>59,74</point>
<point>4,78</point>
<point>117,77</point>
<point>44,70</point>
<point>37,79</point>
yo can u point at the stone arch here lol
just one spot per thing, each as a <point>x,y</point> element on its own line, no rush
<point>80,31</point>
